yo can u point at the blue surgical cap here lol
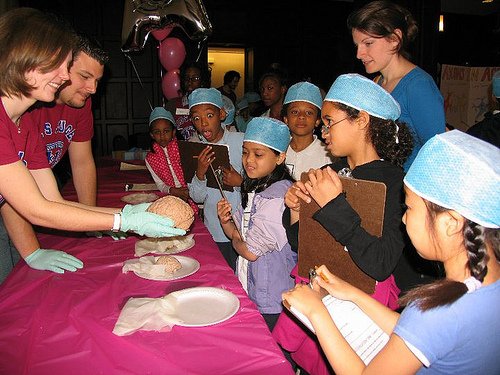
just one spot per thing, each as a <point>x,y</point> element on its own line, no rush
<point>304,92</point>
<point>363,94</point>
<point>230,110</point>
<point>252,97</point>
<point>495,83</point>
<point>459,172</point>
<point>242,104</point>
<point>205,96</point>
<point>268,132</point>
<point>160,112</point>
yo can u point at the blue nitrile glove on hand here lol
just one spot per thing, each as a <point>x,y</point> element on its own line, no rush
<point>114,235</point>
<point>127,209</point>
<point>135,208</point>
<point>149,224</point>
<point>53,260</point>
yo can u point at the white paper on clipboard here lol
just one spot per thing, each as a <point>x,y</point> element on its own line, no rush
<point>364,336</point>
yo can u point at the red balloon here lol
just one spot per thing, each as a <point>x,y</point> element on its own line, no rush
<point>172,53</point>
<point>171,84</point>
<point>161,34</point>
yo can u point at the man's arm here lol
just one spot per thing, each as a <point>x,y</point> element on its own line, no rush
<point>47,185</point>
<point>83,171</point>
<point>20,231</point>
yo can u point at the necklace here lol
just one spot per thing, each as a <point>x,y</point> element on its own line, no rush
<point>18,125</point>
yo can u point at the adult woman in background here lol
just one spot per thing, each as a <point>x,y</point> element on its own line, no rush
<point>381,32</point>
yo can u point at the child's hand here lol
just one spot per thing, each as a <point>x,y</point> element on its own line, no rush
<point>224,211</point>
<point>334,285</point>
<point>182,192</point>
<point>204,159</point>
<point>304,299</point>
<point>323,185</point>
<point>296,192</point>
<point>231,177</point>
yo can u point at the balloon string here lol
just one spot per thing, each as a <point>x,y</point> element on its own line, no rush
<point>140,81</point>
<point>161,80</point>
<point>200,50</point>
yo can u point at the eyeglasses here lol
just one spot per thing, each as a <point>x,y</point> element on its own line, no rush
<point>192,79</point>
<point>326,128</point>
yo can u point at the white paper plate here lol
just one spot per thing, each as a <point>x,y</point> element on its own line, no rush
<point>204,306</point>
<point>171,245</point>
<point>189,266</point>
<point>137,198</point>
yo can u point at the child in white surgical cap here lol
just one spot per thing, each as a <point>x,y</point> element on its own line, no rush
<point>453,215</point>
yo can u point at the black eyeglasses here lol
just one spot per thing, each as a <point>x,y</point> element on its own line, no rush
<point>326,128</point>
<point>192,79</point>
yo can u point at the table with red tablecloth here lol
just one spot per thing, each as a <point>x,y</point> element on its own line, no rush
<point>62,323</point>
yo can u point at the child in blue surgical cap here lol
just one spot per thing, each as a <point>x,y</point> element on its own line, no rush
<point>360,128</point>
<point>242,115</point>
<point>228,123</point>
<point>207,113</point>
<point>164,161</point>
<point>452,215</point>
<point>265,257</point>
<point>301,112</point>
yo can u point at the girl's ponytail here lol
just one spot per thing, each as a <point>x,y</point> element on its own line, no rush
<point>392,140</point>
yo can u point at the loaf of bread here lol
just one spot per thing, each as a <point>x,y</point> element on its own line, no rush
<point>176,209</point>
<point>170,262</point>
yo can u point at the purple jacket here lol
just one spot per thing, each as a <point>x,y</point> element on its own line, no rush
<point>269,275</point>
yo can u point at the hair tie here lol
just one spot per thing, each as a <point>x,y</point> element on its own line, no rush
<point>397,131</point>
<point>472,284</point>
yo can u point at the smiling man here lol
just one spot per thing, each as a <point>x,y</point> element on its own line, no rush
<point>68,125</point>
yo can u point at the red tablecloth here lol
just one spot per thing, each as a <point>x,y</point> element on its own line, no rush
<point>62,324</point>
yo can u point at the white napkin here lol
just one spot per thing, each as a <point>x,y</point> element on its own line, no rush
<point>146,267</point>
<point>147,314</point>
<point>165,245</point>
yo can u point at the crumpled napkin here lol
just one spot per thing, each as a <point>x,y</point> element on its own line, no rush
<point>147,314</point>
<point>167,245</point>
<point>145,267</point>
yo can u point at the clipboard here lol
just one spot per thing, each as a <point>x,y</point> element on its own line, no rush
<point>189,152</point>
<point>317,246</point>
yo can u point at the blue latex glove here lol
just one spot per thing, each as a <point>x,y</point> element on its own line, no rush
<point>135,208</point>
<point>149,224</point>
<point>114,235</point>
<point>53,260</point>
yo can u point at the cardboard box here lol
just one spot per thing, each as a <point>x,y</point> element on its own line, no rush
<point>130,155</point>
<point>467,94</point>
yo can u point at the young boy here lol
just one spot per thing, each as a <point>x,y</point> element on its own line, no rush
<point>301,112</point>
<point>207,113</point>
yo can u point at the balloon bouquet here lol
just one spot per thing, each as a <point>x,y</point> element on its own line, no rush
<point>159,18</point>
